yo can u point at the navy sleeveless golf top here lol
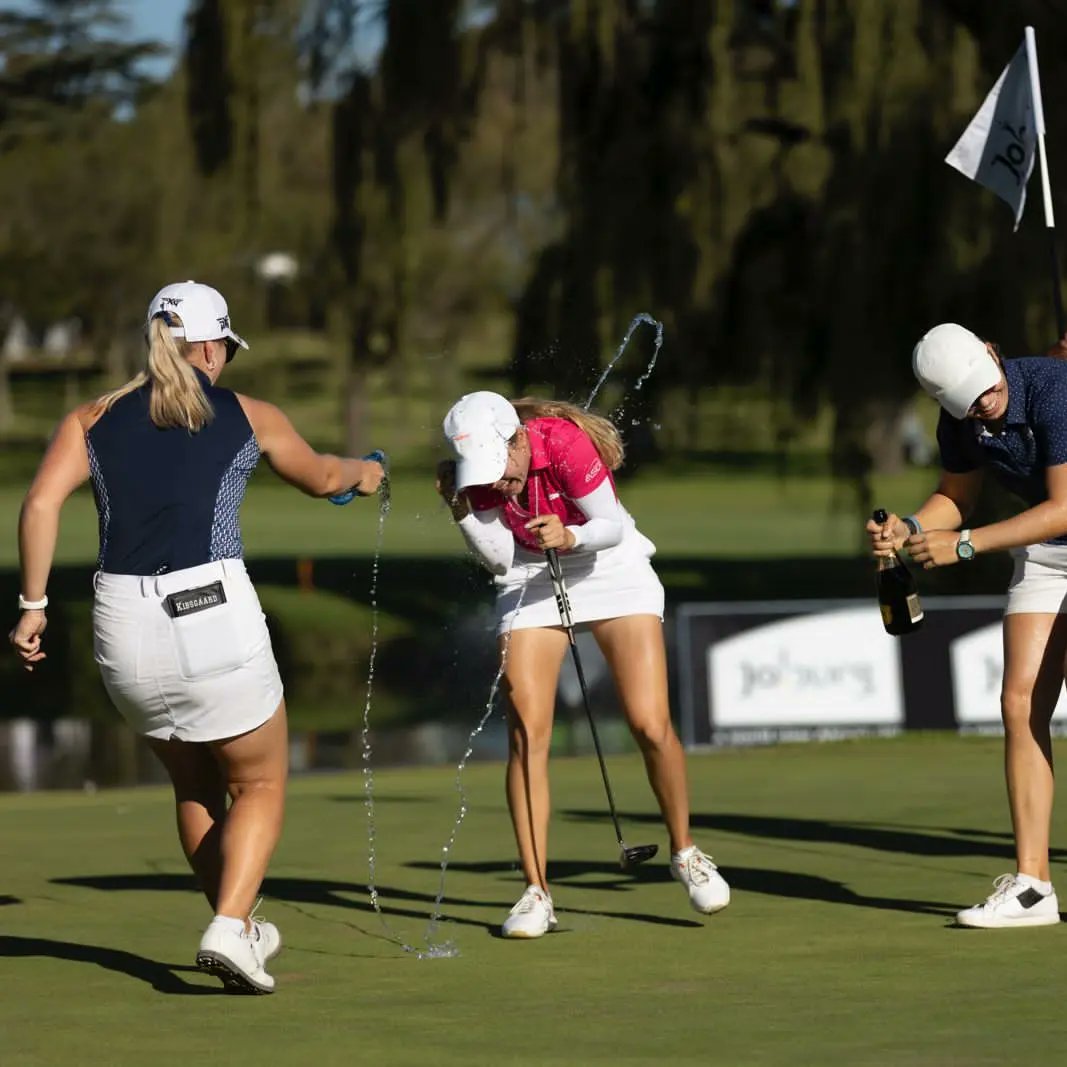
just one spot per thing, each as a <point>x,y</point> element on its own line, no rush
<point>168,499</point>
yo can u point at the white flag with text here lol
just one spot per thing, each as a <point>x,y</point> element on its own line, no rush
<point>997,148</point>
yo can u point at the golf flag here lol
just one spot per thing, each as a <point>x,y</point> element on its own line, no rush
<point>997,149</point>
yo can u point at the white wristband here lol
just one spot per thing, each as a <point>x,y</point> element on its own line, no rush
<point>32,605</point>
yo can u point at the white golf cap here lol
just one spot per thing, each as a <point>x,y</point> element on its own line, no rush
<point>478,427</point>
<point>954,367</point>
<point>203,311</point>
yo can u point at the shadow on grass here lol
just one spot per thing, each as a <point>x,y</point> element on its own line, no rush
<point>609,877</point>
<point>304,891</point>
<point>9,900</point>
<point>883,837</point>
<point>163,977</point>
<point>812,887</point>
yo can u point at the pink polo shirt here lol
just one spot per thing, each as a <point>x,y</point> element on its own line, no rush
<point>564,467</point>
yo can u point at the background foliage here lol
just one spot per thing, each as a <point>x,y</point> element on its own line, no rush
<point>489,190</point>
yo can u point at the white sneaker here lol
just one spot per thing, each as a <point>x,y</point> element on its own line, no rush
<point>236,958</point>
<point>270,936</point>
<point>708,891</point>
<point>1015,901</point>
<point>533,916</point>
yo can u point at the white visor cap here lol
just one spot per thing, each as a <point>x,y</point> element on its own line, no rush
<point>203,311</point>
<point>478,428</point>
<point>954,367</point>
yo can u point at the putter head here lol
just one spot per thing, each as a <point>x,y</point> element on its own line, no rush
<point>635,854</point>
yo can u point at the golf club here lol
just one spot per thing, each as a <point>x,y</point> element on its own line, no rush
<point>628,856</point>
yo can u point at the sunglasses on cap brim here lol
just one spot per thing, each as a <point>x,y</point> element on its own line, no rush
<point>231,348</point>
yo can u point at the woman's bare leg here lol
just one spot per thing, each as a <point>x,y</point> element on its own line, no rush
<point>633,646</point>
<point>1034,649</point>
<point>531,673</point>
<point>255,768</point>
<point>200,803</point>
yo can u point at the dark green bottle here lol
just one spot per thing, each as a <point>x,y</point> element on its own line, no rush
<point>902,612</point>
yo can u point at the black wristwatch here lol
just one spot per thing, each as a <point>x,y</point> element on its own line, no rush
<point>964,548</point>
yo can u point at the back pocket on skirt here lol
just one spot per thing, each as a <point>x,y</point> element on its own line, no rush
<point>210,642</point>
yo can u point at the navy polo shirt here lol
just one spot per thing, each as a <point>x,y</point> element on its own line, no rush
<point>1033,438</point>
<point>168,499</point>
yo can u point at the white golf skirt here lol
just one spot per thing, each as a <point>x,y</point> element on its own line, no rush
<point>1039,582</point>
<point>607,584</point>
<point>186,656</point>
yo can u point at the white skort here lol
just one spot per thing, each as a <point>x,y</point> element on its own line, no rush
<point>607,584</point>
<point>1039,582</point>
<point>204,676</point>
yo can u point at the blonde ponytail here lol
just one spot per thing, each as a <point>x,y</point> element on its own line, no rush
<point>177,399</point>
<point>601,431</point>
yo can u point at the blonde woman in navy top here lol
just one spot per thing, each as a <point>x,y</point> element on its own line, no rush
<point>178,632</point>
<point>535,475</point>
<point>1008,418</point>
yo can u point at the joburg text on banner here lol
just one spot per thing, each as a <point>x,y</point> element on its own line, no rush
<point>997,148</point>
<point>755,671</point>
<point>977,667</point>
<point>833,668</point>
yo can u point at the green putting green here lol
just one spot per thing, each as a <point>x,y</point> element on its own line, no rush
<point>847,862</point>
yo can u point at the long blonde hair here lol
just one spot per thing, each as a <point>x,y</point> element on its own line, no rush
<point>601,431</point>
<point>177,399</point>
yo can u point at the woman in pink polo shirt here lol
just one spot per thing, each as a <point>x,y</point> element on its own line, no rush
<point>533,475</point>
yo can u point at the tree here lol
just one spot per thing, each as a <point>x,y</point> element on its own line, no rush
<point>64,56</point>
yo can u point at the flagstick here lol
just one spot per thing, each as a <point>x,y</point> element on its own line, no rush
<point>1050,224</point>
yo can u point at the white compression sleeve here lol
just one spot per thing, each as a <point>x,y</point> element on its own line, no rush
<point>489,539</point>
<point>605,524</point>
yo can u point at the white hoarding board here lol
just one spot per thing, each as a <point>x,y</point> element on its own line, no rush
<point>832,668</point>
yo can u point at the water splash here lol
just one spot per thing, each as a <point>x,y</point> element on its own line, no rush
<point>490,707</point>
<point>384,503</point>
<point>638,320</point>
<point>448,948</point>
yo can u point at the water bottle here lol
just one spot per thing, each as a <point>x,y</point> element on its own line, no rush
<point>898,597</point>
<point>340,499</point>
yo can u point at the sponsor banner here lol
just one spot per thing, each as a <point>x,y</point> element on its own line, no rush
<point>832,668</point>
<point>773,670</point>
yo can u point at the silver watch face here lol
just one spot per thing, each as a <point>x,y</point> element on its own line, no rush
<point>965,550</point>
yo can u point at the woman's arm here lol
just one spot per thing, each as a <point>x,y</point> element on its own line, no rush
<point>937,548</point>
<point>489,539</point>
<point>484,531</point>
<point>605,523</point>
<point>952,501</point>
<point>1039,523</point>
<point>292,458</point>
<point>64,467</point>
<point>946,508</point>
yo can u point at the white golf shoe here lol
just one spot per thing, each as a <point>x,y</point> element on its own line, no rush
<point>532,916</point>
<point>707,889</point>
<point>1015,901</point>
<point>237,959</point>
<point>270,936</point>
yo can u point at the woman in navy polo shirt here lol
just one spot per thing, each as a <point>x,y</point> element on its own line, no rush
<point>1009,417</point>
<point>178,632</point>
<point>535,475</point>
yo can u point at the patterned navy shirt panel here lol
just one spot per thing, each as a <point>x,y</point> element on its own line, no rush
<point>169,499</point>
<point>103,505</point>
<point>1033,438</point>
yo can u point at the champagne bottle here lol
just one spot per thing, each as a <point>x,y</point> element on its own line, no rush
<point>898,598</point>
